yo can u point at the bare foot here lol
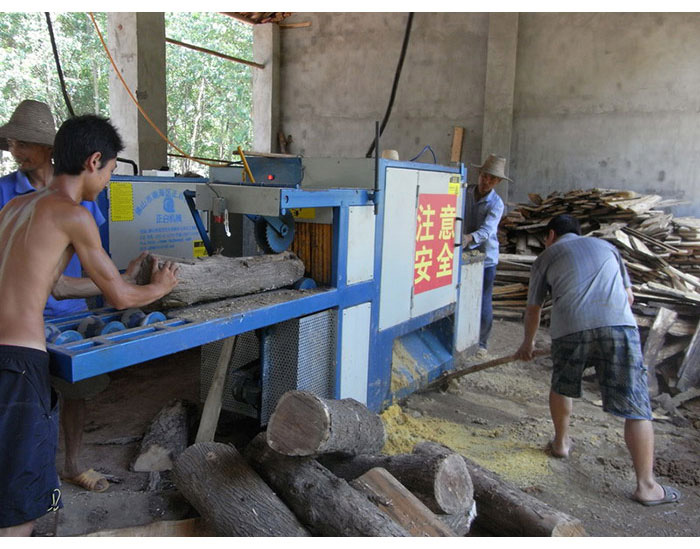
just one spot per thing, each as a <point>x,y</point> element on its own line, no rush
<point>559,450</point>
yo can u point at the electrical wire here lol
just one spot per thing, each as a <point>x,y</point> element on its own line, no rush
<point>58,65</point>
<point>395,86</point>
<point>426,148</point>
<point>140,108</point>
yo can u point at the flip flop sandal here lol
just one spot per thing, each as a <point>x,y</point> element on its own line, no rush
<point>671,495</point>
<point>90,480</point>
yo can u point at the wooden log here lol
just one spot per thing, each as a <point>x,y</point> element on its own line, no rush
<point>304,424</point>
<point>326,504</point>
<point>505,510</point>
<point>441,481</point>
<point>230,495</point>
<point>655,340</point>
<point>395,500</point>
<point>460,523</point>
<point>689,372</point>
<point>192,527</point>
<point>164,440</point>
<point>218,277</point>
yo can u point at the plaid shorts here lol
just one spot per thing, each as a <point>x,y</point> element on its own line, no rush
<point>616,354</point>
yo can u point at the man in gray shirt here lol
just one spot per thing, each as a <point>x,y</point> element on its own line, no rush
<point>592,325</point>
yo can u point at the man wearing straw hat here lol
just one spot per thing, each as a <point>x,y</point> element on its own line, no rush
<point>484,211</point>
<point>29,136</point>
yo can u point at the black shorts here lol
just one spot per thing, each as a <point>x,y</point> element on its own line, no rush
<point>29,485</point>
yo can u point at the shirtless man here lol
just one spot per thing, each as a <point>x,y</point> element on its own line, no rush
<point>39,232</point>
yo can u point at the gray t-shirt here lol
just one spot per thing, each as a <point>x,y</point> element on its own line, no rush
<point>587,280</point>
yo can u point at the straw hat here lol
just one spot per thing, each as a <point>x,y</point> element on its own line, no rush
<point>494,165</point>
<point>31,122</point>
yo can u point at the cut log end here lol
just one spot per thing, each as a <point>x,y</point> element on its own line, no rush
<point>299,425</point>
<point>453,485</point>
<point>156,458</point>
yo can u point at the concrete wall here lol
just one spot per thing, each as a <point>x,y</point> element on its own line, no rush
<point>599,100</point>
<point>608,100</point>
<point>336,78</point>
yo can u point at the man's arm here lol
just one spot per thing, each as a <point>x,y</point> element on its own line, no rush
<point>532,323</point>
<point>488,227</point>
<point>85,238</point>
<point>70,287</point>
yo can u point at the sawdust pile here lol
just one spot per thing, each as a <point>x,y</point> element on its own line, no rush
<point>519,463</point>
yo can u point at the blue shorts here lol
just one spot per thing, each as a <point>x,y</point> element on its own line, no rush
<point>29,485</point>
<point>616,354</point>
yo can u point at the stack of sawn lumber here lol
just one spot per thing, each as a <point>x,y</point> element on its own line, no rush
<point>662,255</point>
<point>318,471</point>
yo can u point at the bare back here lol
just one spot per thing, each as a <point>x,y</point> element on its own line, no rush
<point>35,249</point>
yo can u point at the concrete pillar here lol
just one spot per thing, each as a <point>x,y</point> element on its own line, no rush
<point>137,44</point>
<point>266,87</point>
<point>500,86</point>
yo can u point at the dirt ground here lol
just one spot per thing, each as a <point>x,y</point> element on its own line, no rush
<point>497,417</point>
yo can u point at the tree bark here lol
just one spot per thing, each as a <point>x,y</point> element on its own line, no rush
<point>460,523</point>
<point>218,277</point>
<point>164,440</point>
<point>441,481</point>
<point>395,500</point>
<point>327,505</point>
<point>304,424</point>
<point>230,495</point>
<point>505,510</point>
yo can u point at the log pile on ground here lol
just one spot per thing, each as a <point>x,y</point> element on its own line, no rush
<point>319,470</point>
<point>662,255</point>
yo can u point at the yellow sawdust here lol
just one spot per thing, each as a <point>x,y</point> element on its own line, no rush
<point>516,462</point>
<point>401,357</point>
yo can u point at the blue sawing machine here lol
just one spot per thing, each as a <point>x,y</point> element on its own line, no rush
<point>380,330</point>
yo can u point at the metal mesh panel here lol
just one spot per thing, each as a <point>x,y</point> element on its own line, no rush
<point>247,349</point>
<point>299,354</point>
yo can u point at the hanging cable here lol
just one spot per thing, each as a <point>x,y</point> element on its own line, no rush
<point>426,148</point>
<point>140,108</point>
<point>395,86</point>
<point>58,65</point>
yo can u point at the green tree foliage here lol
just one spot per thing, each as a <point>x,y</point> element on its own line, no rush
<point>209,99</point>
<point>28,69</point>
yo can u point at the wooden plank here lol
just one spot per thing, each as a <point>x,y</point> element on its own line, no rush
<point>689,372</point>
<point>212,404</point>
<point>655,340</point>
<point>457,139</point>
<point>671,350</point>
<point>395,500</point>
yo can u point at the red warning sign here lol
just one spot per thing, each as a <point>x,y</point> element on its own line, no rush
<point>435,236</point>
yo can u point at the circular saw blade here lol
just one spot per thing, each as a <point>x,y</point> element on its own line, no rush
<point>270,239</point>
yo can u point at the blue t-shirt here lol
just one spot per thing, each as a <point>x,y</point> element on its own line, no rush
<point>482,219</point>
<point>16,184</point>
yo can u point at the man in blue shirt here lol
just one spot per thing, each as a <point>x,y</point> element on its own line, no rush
<point>484,211</point>
<point>592,325</point>
<point>29,137</point>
